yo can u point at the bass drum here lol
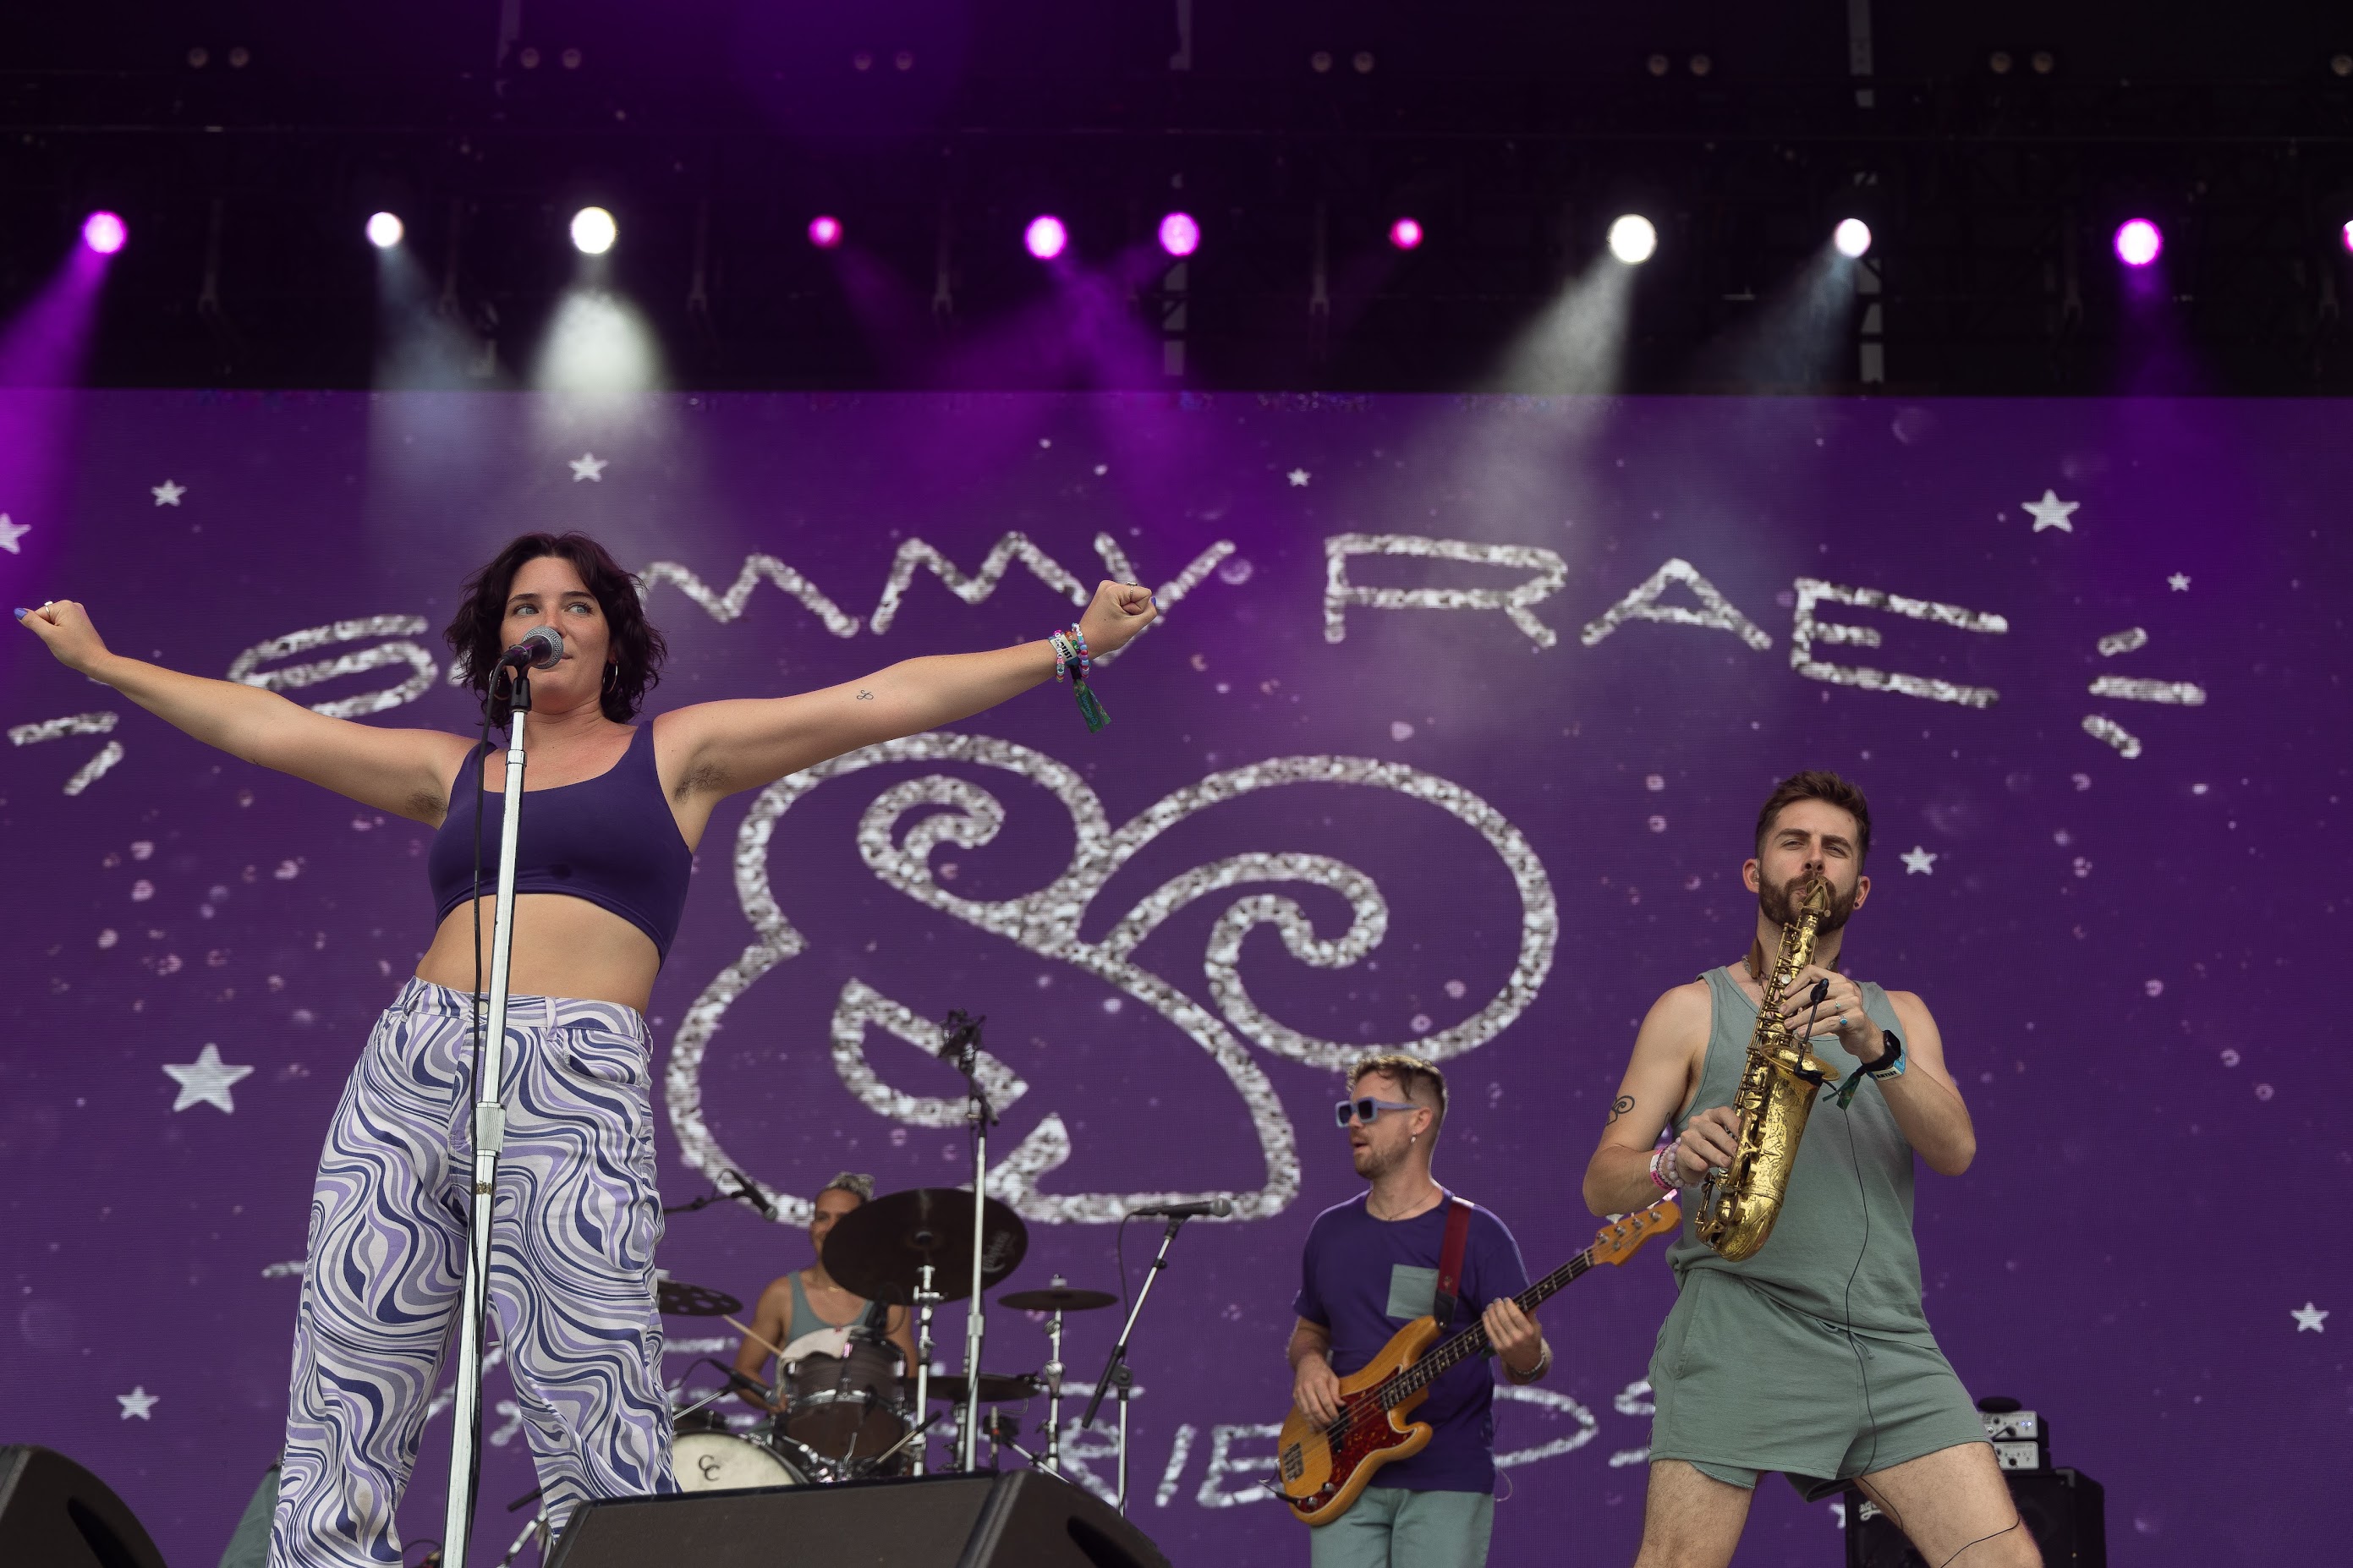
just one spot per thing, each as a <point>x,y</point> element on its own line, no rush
<point>706,1456</point>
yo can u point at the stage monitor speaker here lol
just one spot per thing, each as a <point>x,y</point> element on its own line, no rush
<point>1026,1519</point>
<point>56,1514</point>
<point>2065,1510</point>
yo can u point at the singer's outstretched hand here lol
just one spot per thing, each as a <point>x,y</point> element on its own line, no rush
<point>64,626</point>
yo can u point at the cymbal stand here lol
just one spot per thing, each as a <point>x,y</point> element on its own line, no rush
<point>1115,1374</point>
<point>1054,1374</point>
<point>960,1043</point>
<point>488,1137</point>
<point>926,1298</point>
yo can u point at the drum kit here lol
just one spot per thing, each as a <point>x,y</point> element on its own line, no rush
<point>845,1409</point>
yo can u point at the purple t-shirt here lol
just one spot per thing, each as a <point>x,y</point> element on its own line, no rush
<point>1365,1278</point>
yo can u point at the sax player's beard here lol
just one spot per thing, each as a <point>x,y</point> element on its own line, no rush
<point>1779,905</point>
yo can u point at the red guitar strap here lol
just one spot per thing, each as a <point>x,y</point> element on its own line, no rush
<point>1450,1258</point>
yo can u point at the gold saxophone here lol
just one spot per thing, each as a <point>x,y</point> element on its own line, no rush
<point>1778,1086</point>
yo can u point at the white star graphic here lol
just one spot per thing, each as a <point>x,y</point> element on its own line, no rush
<point>12,531</point>
<point>2051,512</point>
<point>168,493</point>
<point>1920,862</point>
<point>205,1079</point>
<point>1298,478</point>
<point>138,1402</point>
<point>590,467</point>
<point>2308,1317</point>
<point>2178,581</point>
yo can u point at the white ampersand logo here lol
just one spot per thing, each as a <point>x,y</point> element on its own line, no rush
<point>1046,922</point>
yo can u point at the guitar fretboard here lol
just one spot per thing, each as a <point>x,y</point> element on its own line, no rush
<point>1472,1340</point>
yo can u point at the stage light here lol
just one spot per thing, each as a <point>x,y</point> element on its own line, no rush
<point>2346,233</point>
<point>1405,234</point>
<point>825,232</point>
<point>385,230</point>
<point>1179,234</point>
<point>1045,237</point>
<point>1852,238</point>
<point>104,232</point>
<point>2139,242</point>
<point>1632,240</point>
<point>594,231</point>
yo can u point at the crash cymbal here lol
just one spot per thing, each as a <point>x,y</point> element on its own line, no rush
<point>680,1300</point>
<point>878,1249</point>
<point>996,1388</point>
<point>1058,1299</point>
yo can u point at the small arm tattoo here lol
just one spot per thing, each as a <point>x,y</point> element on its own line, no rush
<point>864,695</point>
<point>1619,1107</point>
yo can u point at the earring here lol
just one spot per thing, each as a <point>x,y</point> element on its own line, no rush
<point>612,673</point>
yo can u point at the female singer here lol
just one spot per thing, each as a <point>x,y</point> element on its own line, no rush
<point>601,875</point>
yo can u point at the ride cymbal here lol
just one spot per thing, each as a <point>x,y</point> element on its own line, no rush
<point>878,1249</point>
<point>1058,1299</point>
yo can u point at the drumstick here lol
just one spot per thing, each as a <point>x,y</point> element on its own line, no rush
<point>750,1335</point>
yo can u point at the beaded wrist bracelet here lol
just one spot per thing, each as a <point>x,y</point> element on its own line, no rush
<point>1073,658</point>
<point>1662,1166</point>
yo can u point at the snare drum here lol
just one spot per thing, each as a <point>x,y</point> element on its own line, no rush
<point>848,1408</point>
<point>706,1456</point>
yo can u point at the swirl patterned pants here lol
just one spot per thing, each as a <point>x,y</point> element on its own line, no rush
<point>575,1219</point>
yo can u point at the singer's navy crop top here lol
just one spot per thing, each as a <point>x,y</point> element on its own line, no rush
<point>609,839</point>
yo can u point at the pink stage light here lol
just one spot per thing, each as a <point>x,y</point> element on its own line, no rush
<point>825,232</point>
<point>2139,243</point>
<point>1405,234</point>
<point>1179,234</point>
<point>104,232</point>
<point>2346,233</point>
<point>1045,237</point>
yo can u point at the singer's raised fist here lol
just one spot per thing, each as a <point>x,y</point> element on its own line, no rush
<point>64,627</point>
<point>1117,612</point>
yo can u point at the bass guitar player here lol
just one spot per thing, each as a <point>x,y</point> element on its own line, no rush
<point>1375,1263</point>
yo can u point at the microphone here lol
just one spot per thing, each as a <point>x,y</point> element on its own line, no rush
<point>749,1194</point>
<point>540,648</point>
<point>1218,1206</point>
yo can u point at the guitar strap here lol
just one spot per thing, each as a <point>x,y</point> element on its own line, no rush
<point>1450,1258</point>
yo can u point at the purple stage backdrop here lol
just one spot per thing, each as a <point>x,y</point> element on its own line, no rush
<point>1450,740</point>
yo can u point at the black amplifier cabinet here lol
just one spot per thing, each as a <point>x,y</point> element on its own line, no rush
<point>2065,1510</point>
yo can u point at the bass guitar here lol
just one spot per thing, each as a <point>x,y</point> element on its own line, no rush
<point>1326,1467</point>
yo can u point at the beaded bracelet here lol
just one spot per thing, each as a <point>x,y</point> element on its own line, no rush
<point>1073,658</point>
<point>1663,1164</point>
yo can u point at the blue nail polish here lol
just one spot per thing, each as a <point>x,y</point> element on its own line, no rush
<point>22,612</point>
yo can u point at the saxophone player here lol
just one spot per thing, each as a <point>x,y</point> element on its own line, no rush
<point>1812,1357</point>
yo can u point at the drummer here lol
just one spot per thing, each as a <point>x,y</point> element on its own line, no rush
<point>807,1302</point>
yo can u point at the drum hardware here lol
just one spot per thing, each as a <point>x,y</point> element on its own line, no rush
<point>914,1248</point>
<point>845,1410</point>
<point>1058,1298</point>
<point>996,1387</point>
<point>914,1435</point>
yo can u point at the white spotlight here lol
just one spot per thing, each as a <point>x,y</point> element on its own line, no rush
<point>1852,238</point>
<point>594,231</point>
<point>1632,240</point>
<point>385,230</point>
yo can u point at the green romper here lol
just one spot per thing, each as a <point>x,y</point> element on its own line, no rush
<point>1813,1357</point>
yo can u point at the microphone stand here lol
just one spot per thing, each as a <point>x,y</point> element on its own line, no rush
<point>490,1138</point>
<point>1116,1371</point>
<point>962,1041</point>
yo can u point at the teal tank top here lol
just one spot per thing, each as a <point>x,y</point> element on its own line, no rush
<point>1847,1215</point>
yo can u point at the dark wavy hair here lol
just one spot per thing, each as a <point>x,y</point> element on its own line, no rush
<point>637,648</point>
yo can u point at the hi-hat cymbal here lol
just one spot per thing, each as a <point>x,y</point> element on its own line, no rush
<point>878,1249</point>
<point>996,1387</point>
<point>1057,1298</point>
<point>680,1300</point>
